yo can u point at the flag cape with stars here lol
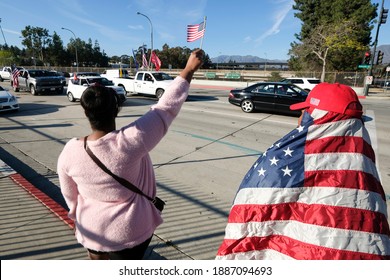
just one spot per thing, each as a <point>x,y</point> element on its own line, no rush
<point>314,194</point>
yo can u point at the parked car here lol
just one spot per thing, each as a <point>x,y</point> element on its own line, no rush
<point>268,96</point>
<point>145,82</point>
<point>8,102</point>
<point>61,75</point>
<point>5,73</point>
<point>38,81</point>
<point>305,83</point>
<point>76,87</point>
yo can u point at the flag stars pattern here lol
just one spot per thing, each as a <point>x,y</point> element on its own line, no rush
<point>280,162</point>
<point>274,161</point>
<point>288,152</point>
<point>261,171</point>
<point>287,171</point>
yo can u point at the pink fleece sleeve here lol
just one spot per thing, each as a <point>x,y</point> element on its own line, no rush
<point>153,125</point>
<point>68,189</point>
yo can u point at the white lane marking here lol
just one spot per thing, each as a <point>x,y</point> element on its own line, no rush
<point>245,116</point>
<point>371,129</point>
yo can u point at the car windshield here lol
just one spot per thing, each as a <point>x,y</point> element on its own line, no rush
<point>298,90</point>
<point>101,81</point>
<point>85,74</point>
<point>40,73</point>
<point>162,76</point>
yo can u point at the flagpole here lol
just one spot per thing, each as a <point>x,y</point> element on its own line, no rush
<point>204,27</point>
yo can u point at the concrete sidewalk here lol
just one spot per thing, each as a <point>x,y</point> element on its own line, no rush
<point>35,227</point>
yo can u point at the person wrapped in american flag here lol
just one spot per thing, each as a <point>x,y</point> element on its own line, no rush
<point>316,193</point>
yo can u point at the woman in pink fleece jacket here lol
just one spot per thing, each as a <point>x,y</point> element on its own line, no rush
<point>111,221</point>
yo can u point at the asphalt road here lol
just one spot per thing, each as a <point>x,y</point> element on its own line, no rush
<point>199,164</point>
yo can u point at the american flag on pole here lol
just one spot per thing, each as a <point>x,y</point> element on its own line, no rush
<point>314,194</point>
<point>144,61</point>
<point>15,74</point>
<point>195,31</point>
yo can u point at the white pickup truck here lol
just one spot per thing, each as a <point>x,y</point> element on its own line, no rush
<point>145,82</point>
<point>5,73</point>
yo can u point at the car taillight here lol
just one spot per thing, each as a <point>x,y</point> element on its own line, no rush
<point>231,95</point>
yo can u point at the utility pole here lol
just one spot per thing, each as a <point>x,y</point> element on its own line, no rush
<point>5,41</point>
<point>151,37</point>
<point>382,20</point>
<point>75,47</point>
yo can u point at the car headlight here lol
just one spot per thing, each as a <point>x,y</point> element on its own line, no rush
<point>13,98</point>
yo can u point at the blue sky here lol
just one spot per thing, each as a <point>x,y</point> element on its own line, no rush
<point>263,28</point>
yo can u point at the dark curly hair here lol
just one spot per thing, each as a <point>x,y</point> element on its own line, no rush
<point>101,106</point>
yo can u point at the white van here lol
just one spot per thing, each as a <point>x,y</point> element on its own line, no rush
<point>115,73</point>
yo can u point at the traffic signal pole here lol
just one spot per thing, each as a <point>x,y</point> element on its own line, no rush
<point>366,85</point>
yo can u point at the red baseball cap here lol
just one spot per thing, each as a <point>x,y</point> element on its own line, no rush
<point>336,98</point>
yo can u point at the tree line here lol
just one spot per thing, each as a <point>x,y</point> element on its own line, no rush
<point>334,36</point>
<point>44,49</point>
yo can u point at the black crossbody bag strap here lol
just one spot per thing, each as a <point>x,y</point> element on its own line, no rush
<point>120,180</point>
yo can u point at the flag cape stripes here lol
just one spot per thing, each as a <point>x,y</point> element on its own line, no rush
<point>195,31</point>
<point>156,61</point>
<point>314,194</point>
<point>15,74</point>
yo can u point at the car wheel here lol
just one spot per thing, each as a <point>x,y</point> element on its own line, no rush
<point>247,106</point>
<point>70,97</point>
<point>159,93</point>
<point>32,90</point>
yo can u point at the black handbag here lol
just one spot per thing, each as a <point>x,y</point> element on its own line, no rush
<point>157,202</point>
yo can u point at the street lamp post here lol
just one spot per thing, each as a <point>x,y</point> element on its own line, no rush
<point>5,41</point>
<point>75,47</point>
<point>151,37</point>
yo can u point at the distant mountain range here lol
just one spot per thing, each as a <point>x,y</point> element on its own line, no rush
<point>250,58</point>
<point>240,58</point>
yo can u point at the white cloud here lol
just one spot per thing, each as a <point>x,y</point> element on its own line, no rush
<point>135,27</point>
<point>247,39</point>
<point>12,32</point>
<point>284,8</point>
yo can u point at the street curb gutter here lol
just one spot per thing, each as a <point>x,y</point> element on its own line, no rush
<point>47,201</point>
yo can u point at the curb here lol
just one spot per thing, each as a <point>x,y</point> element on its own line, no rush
<point>44,199</point>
